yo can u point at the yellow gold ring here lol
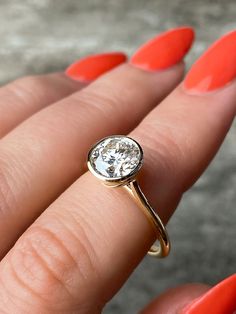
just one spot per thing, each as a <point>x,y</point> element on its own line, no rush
<point>116,161</point>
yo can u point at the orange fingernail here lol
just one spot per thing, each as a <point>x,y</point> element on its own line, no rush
<point>215,68</point>
<point>165,50</point>
<point>91,67</point>
<point>221,299</point>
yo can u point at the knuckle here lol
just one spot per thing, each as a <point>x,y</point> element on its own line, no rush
<point>76,229</point>
<point>41,268</point>
<point>43,262</point>
<point>165,148</point>
<point>27,89</point>
<point>7,196</point>
<point>32,81</point>
<point>102,100</point>
<point>13,175</point>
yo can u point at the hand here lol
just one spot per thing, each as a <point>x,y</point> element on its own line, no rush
<point>87,238</point>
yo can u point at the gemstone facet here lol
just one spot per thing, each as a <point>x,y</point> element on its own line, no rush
<point>115,157</point>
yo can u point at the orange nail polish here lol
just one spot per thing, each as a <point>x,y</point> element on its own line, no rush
<point>91,67</point>
<point>165,50</point>
<point>215,68</point>
<point>221,299</point>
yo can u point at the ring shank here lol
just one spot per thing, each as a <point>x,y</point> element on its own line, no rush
<point>162,250</point>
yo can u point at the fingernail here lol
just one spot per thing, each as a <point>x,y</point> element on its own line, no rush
<point>215,68</point>
<point>91,67</point>
<point>165,50</point>
<point>220,299</point>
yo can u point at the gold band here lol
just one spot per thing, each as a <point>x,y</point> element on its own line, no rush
<point>162,250</point>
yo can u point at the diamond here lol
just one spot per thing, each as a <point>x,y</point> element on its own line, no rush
<point>116,157</point>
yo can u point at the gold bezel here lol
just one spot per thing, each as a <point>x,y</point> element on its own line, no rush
<point>111,181</point>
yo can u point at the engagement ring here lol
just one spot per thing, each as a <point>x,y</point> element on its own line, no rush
<point>116,161</point>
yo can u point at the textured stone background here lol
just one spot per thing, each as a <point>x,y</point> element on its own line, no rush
<point>46,35</point>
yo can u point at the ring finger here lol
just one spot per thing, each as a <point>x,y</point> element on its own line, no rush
<point>23,97</point>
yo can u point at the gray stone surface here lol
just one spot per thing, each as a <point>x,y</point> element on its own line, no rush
<point>44,35</point>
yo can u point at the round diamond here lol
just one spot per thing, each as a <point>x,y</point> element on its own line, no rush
<point>115,157</point>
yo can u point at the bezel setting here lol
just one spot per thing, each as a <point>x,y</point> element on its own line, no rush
<point>122,179</point>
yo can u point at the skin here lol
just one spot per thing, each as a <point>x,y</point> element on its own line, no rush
<point>62,262</point>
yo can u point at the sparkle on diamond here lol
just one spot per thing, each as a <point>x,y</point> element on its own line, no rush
<point>115,157</point>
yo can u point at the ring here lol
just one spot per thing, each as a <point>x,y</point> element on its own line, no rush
<point>116,160</point>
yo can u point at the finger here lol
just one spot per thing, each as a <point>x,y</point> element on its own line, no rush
<point>197,299</point>
<point>85,245</point>
<point>90,68</point>
<point>174,300</point>
<point>44,155</point>
<point>23,97</point>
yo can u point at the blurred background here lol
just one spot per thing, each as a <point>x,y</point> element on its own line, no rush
<point>46,35</point>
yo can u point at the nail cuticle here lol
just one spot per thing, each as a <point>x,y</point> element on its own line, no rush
<point>197,92</point>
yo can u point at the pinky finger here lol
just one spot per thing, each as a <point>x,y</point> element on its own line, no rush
<point>23,97</point>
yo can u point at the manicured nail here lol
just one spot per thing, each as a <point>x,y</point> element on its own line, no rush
<point>165,50</point>
<point>215,68</point>
<point>91,67</point>
<point>220,299</point>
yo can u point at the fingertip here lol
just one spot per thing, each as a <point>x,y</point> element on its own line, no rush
<point>91,67</point>
<point>165,50</point>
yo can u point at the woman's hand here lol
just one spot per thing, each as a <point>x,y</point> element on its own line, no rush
<point>87,238</point>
